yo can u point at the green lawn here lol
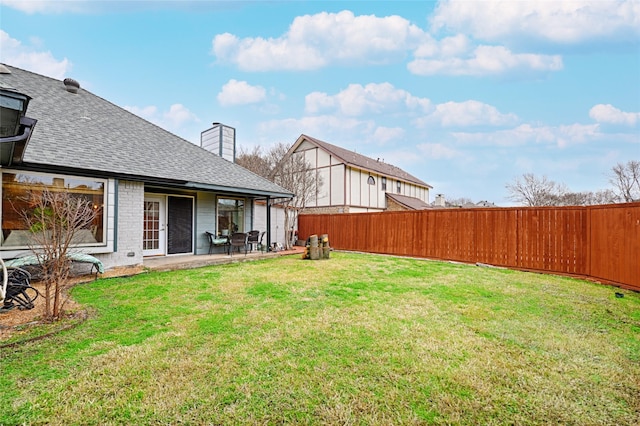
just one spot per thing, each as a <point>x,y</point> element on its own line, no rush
<point>356,339</point>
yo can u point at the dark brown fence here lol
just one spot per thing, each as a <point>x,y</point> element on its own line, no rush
<point>598,242</point>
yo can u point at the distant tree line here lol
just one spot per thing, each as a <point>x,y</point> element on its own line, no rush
<point>531,190</point>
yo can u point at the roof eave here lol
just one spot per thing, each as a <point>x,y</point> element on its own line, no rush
<point>327,147</point>
<point>238,190</point>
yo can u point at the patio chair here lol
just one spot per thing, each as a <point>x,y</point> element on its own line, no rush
<point>217,242</point>
<point>261,246</point>
<point>252,239</point>
<point>238,239</point>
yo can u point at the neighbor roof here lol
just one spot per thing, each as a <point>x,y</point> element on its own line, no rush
<point>411,203</point>
<point>362,162</point>
<point>83,131</point>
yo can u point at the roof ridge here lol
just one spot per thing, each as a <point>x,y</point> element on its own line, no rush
<point>362,161</point>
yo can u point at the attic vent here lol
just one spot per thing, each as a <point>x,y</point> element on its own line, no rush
<point>71,85</point>
<point>4,70</point>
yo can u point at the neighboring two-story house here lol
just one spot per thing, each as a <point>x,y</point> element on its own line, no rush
<point>354,183</point>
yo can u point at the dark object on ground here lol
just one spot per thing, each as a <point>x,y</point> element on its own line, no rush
<point>619,295</point>
<point>20,293</point>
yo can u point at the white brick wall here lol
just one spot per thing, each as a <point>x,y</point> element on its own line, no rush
<point>130,224</point>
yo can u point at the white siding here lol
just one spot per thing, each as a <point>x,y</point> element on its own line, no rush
<point>364,189</point>
<point>337,185</point>
<point>324,159</point>
<point>311,157</point>
<point>277,222</point>
<point>323,191</point>
<point>205,220</point>
<point>354,180</point>
<point>220,140</point>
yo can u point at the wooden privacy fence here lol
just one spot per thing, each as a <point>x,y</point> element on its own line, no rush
<point>598,242</point>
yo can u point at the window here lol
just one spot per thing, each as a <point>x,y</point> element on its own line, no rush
<point>230,216</point>
<point>371,180</point>
<point>399,187</point>
<point>384,183</point>
<point>14,201</point>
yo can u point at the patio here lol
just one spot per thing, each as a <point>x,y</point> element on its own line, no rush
<point>169,263</point>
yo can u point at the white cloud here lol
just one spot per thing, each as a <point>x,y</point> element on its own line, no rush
<point>316,102</point>
<point>46,6</point>
<point>178,115</point>
<point>357,100</point>
<point>314,41</point>
<point>611,115</point>
<point>483,60</point>
<point>149,113</point>
<point>15,53</point>
<point>384,135</point>
<point>95,6</point>
<point>468,113</point>
<point>323,39</point>
<point>320,126</point>
<point>561,136</point>
<point>241,93</point>
<point>436,151</point>
<point>565,22</point>
<point>172,120</point>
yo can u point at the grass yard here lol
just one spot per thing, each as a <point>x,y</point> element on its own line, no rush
<point>357,340</point>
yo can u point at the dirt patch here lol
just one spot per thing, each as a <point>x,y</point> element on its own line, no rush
<point>14,321</point>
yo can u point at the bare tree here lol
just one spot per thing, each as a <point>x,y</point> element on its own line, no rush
<point>291,172</point>
<point>296,175</point>
<point>255,161</point>
<point>530,190</point>
<point>587,198</point>
<point>54,217</point>
<point>625,179</point>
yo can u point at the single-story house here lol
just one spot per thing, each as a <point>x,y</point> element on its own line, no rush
<point>156,193</point>
<point>354,183</point>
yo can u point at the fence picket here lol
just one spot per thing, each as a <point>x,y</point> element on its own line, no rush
<point>599,242</point>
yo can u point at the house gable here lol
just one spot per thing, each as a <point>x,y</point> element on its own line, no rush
<point>354,182</point>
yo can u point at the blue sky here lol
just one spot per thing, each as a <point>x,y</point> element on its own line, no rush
<point>465,95</point>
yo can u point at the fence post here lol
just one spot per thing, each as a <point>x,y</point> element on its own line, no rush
<point>589,249</point>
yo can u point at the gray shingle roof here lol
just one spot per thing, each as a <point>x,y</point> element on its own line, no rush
<point>364,162</point>
<point>84,131</point>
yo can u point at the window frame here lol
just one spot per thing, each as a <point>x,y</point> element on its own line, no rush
<point>240,225</point>
<point>65,177</point>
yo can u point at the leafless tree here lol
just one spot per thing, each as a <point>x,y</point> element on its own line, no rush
<point>54,217</point>
<point>625,179</point>
<point>296,175</point>
<point>587,198</point>
<point>291,172</point>
<point>256,161</point>
<point>530,190</point>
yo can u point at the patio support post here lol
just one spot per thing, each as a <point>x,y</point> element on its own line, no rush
<point>268,223</point>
